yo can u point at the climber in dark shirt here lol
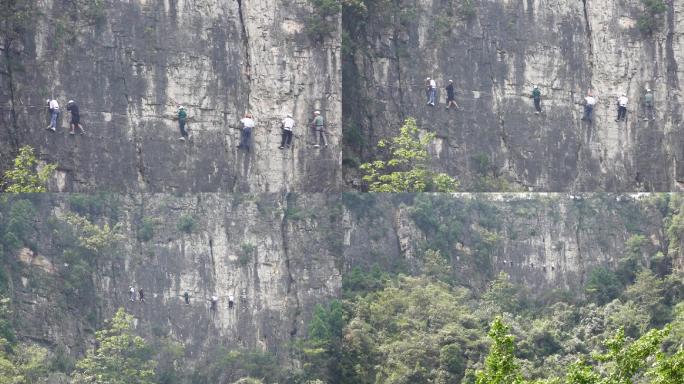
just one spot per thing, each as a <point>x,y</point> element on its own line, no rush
<point>450,95</point>
<point>75,117</point>
<point>141,295</point>
<point>186,297</point>
<point>536,96</point>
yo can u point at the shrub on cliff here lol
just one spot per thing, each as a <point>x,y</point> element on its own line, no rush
<point>648,22</point>
<point>26,176</point>
<point>408,167</point>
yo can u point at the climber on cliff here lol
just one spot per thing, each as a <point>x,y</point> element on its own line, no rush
<point>431,87</point>
<point>318,124</point>
<point>75,118</point>
<point>246,133</point>
<point>182,116</point>
<point>427,89</point>
<point>231,301</point>
<point>622,107</point>
<point>451,100</point>
<point>214,303</point>
<point>589,102</point>
<point>648,105</point>
<point>286,125</point>
<point>141,295</point>
<point>536,96</point>
<point>53,107</point>
<point>186,297</point>
<point>132,291</point>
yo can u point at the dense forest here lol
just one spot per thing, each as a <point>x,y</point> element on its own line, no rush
<point>388,325</point>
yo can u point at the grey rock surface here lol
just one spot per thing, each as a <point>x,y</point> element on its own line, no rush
<point>281,254</point>
<point>129,63</point>
<point>495,51</point>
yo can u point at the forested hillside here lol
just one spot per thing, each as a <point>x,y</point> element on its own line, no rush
<point>342,289</point>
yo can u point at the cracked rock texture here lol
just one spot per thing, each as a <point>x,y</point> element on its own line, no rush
<point>276,255</point>
<point>495,52</point>
<point>128,63</point>
<point>546,241</point>
<point>280,254</point>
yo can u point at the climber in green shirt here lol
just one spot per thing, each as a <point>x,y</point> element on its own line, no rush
<point>536,95</point>
<point>648,104</point>
<point>318,124</point>
<point>182,115</point>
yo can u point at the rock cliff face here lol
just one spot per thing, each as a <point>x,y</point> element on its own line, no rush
<point>276,255</point>
<point>495,51</point>
<point>544,241</point>
<point>279,255</point>
<point>127,63</point>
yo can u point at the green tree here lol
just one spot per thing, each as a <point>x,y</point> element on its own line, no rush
<point>407,169</point>
<point>622,361</point>
<point>668,369</point>
<point>19,363</point>
<point>500,365</point>
<point>121,358</point>
<point>24,177</point>
<point>91,236</point>
<point>602,285</point>
<point>503,295</point>
<point>415,330</point>
<point>648,293</point>
<point>648,21</point>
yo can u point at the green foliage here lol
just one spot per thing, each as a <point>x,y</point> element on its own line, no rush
<point>503,295</point>
<point>93,205</point>
<point>668,369</point>
<point>18,226</point>
<point>487,177</point>
<point>602,285</point>
<point>358,281</point>
<point>27,364</point>
<point>323,21</point>
<point>412,331</point>
<point>436,266</point>
<point>622,361</point>
<point>500,365</point>
<point>295,213</point>
<point>353,136</point>
<point>186,224</point>
<point>247,251</point>
<point>146,229</point>
<point>467,9</point>
<point>238,366</point>
<point>648,292</point>
<point>407,169</point>
<point>6,329</point>
<point>121,356</point>
<point>93,237</point>
<point>15,17</point>
<point>61,360</point>
<point>92,11</point>
<point>26,176</point>
<point>649,20</point>
<point>19,363</point>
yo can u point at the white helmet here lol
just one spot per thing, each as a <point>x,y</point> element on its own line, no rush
<point>289,115</point>
<point>317,112</point>
<point>181,107</point>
